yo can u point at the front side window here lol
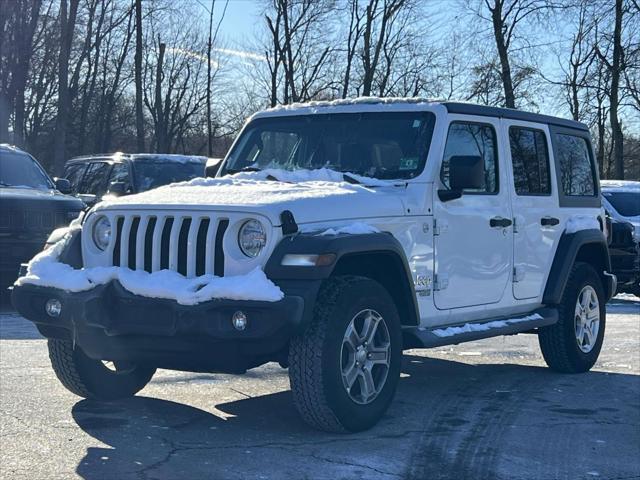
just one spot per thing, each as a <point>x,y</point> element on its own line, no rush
<point>576,172</point>
<point>95,180</point>
<point>389,145</point>
<point>74,173</point>
<point>472,139</point>
<point>530,159</point>
<point>626,204</point>
<point>19,170</point>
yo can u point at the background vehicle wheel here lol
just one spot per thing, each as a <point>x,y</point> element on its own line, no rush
<point>573,344</point>
<point>344,368</point>
<point>95,379</point>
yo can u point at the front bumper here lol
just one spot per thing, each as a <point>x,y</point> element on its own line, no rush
<point>110,323</point>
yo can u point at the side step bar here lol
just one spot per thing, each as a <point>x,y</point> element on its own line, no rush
<point>468,332</point>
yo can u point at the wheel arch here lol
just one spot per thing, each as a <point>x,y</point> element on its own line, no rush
<point>589,246</point>
<point>378,256</point>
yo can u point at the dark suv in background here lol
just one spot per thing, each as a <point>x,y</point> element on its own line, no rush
<point>31,206</point>
<point>94,176</point>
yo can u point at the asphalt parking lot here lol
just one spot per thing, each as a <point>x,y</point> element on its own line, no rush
<point>481,410</point>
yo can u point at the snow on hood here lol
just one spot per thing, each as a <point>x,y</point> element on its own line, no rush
<point>312,195</point>
<point>46,270</point>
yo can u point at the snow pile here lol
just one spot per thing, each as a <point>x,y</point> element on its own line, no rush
<point>482,327</point>
<point>357,228</point>
<point>303,175</point>
<point>46,270</point>
<point>581,222</point>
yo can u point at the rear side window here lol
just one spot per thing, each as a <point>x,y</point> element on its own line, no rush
<point>530,158</point>
<point>95,180</point>
<point>577,175</point>
<point>74,173</point>
<point>472,139</point>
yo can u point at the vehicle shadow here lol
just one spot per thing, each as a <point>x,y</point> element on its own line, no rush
<point>448,420</point>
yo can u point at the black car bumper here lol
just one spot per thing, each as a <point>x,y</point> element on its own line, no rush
<point>110,323</point>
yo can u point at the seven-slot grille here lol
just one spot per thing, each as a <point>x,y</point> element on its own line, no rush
<point>190,245</point>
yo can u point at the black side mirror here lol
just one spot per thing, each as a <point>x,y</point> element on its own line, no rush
<point>212,167</point>
<point>63,185</point>
<point>117,189</point>
<point>466,172</point>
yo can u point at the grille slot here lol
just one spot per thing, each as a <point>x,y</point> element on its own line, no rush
<point>189,245</point>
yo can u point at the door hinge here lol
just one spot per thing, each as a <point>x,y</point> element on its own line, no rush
<point>518,274</point>
<point>440,282</point>
<point>439,227</point>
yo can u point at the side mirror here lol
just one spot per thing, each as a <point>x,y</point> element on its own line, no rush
<point>117,189</point>
<point>212,167</point>
<point>466,172</point>
<point>63,185</point>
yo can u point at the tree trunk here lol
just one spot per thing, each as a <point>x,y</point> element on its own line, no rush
<point>503,54</point>
<point>209,46</point>
<point>616,128</point>
<point>67,25</point>
<point>138,79</point>
<point>160,126</point>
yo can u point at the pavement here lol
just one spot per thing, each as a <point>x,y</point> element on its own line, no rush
<point>481,410</point>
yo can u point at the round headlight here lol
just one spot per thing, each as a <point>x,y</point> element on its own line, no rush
<point>101,232</point>
<point>252,238</point>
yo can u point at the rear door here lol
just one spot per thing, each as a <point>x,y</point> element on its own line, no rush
<point>537,226</point>
<point>473,237</point>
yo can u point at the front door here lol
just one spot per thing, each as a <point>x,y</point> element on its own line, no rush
<point>473,235</point>
<point>537,226</point>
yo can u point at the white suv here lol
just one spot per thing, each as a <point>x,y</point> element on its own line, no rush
<point>334,236</point>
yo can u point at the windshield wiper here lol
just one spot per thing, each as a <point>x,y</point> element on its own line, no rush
<point>233,171</point>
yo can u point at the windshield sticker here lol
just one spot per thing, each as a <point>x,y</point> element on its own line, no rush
<point>408,163</point>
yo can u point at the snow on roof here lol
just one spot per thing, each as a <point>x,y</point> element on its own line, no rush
<point>347,104</point>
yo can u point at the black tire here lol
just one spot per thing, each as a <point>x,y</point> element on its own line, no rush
<point>315,357</point>
<point>90,378</point>
<point>558,342</point>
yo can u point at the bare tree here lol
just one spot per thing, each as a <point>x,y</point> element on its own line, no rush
<point>18,19</point>
<point>138,75</point>
<point>67,21</point>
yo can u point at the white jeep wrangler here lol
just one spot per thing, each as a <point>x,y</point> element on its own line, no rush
<point>334,236</point>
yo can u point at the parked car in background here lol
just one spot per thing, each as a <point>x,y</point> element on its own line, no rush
<point>621,200</point>
<point>31,206</point>
<point>95,176</point>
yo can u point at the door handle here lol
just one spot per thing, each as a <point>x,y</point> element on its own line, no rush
<point>549,221</point>
<point>499,222</point>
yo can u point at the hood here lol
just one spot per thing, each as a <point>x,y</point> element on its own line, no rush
<point>314,199</point>
<point>22,194</point>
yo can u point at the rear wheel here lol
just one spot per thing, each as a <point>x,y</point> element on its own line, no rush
<point>95,379</point>
<point>345,367</point>
<point>573,344</point>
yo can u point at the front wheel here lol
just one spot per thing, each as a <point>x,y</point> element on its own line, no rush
<point>344,368</point>
<point>573,344</point>
<point>95,379</point>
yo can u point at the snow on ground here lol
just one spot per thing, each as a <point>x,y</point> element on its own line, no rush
<point>581,222</point>
<point>482,327</point>
<point>45,270</point>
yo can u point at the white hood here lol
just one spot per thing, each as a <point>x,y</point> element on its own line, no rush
<point>320,196</point>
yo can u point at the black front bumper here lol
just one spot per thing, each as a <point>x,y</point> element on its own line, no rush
<point>110,323</point>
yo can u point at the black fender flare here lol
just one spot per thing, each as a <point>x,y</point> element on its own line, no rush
<point>365,246</point>
<point>566,255</point>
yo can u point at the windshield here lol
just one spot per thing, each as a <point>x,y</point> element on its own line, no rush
<point>626,204</point>
<point>20,170</point>
<point>385,145</point>
<point>155,173</point>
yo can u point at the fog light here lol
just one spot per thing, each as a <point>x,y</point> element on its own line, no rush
<point>239,320</point>
<point>53,307</point>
